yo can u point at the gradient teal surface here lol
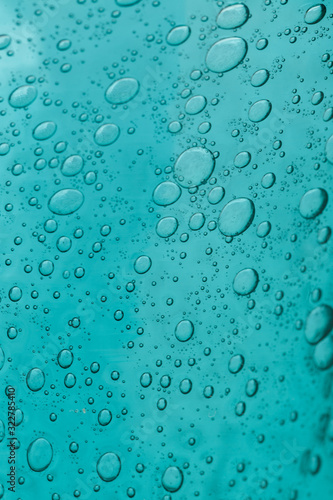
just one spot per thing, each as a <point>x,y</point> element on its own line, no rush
<point>166,266</point>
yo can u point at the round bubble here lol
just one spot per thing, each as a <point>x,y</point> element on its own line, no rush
<point>215,195</point>
<point>226,54</point>
<point>65,358</point>
<point>107,134</point>
<point>233,16</point>
<point>259,78</point>
<point>104,417</point>
<point>39,454</point>
<point>236,363</point>
<point>313,202</point>
<point>196,221</point>
<point>319,323</point>
<point>166,193</point>
<point>23,96</point>
<point>236,216</point>
<point>194,167</point>
<point>35,379</point>
<point>172,479</point>
<point>323,353</point>
<point>44,130</point>
<point>242,159</point>
<point>245,281</point>
<point>72,165</point>
<point>178,35</point>
<point>66,201</point>
<point>108,467</point>
<point>260,110</point>
<point>195,104</point>
<point>315,14</point>
<point>166,227</point>
<point>184,330</point>
<point>142,264</point>
<point>122,90</point>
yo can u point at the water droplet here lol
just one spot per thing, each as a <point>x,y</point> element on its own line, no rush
<point>122,91</point>
<point>142,264</point>
<point>216,194</point>
<point>242,159</point>
<point>194,166</point>
<point>236,216</point>
<point>319,323</point>
<point>66,201</point>
<point>108,467</point>
<point>107,134</point>
<point>324,235</point>
<point>251,387</point>
<point>264,229</point>
<point>259,78</point>
<point>15,294</point>
<point>172,479</point>
<point>323,353</point>
<point>44,131</point>
<point>260,110</point>
<point>166,227</point>
<point>268,180</point>
<point>166,193</point>
<point>65,358</point>
<point>104,417</point>
<point>315,14</point>
<point>35,379</point>
<point>226,54</point>
<point>236,363</point>
<point>313,203</point>
<point>4,41</point>
<point>23,96</point>
<point>232,16</point>
<point>72,165</point>
<point>39,454</point>
<point>178,35</point>
<point>195,104</point>
<point>317,98</point>
<point>146,379</point>
<point>185,386</point>
<point>184,330</point>
<point>245,281</point>
<point>197,221</point>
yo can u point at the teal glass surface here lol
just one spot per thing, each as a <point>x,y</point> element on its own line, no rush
<point>166,251</point>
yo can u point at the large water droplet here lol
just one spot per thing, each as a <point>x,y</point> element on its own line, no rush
<point>319,323</point>
<point>178,35</point>
<point>108,467</point>
<point>236,363</point>
<point>195,104</point>
<point>72,165</point>
<point>166,193</point>
<point>35,379</point>
<point>323,353</point>
<point>107,134</point>
<point>172,479</point>
<point>236,216</point>
<point>184,330</point>
<point>260,110</point>
<point>39,454</point>
<point>259,78</point>
<point>226,54</point>
<point>142,264</point>
<point>232,16</point>
<point>194,166</point>
<point>23,96</point>
<point>315,14</point>
<point>313,203</point>
<point>166,227</point>
<point>44,131</point>
<point>66,201</point>
<point>122,91</point>
<point>246,281</point>
<point>4,41</point>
